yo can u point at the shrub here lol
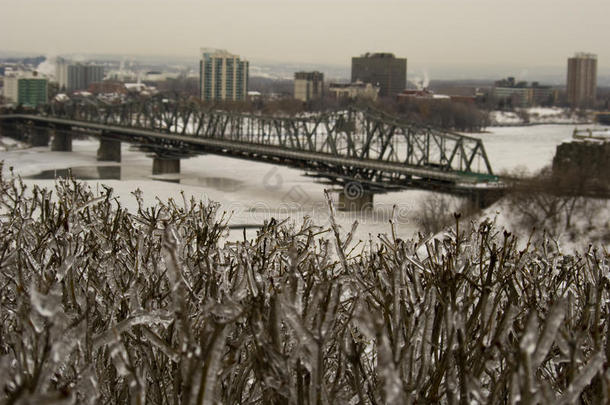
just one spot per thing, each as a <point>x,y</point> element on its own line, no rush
<point>100,305</point>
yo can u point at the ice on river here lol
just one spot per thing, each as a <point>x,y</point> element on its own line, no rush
<point>254,192</point>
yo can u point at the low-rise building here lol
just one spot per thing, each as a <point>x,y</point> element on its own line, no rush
<point>544,95</point>
<point>254,95</point>
<point>516,96</point>
<point>154,76</point>
<point>520,94</point>
<point>140,88</point>
<point>357,90</point>
<point>425,94</point>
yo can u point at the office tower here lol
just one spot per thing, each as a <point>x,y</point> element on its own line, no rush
<point>582,80</point>
<point>222,76</point>
<point>308,85</point>
<point>77,76</point>
<point>383,70</point>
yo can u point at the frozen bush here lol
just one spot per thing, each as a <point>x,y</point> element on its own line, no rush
<point>100,305</point>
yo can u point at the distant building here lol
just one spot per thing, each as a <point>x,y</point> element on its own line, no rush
<point>515,96</point>
<point>308,85</point>
<point>425,94</point>
<point>77,76</point>
<point>582,80</point>
<point>222,76</point>
<point>28,90</point>
<point>357,90</point>
<point>140,88</point>
<point>520,94</point>
<point>254,95</point>
<point>543,95</point>
<point>154,76</point>
<point>383,70</point>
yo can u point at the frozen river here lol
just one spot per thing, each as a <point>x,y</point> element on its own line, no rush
<point>530,148</point>
<point>253,192</point>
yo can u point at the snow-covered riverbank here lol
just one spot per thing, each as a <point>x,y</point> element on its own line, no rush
<point>537,116</point>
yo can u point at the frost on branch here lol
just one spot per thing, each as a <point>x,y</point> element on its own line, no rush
<point>100,305</point>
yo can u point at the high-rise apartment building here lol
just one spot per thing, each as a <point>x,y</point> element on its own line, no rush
<point>28,90</point>
<point>308,85</point>
<point>383,70</point>
<point>582,80</point>
<point>77,76</point>
<point>222,76</point>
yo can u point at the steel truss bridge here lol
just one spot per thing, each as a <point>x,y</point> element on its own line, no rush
<point>377,150</point>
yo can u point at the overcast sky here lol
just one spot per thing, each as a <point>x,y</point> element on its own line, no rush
<point>516,33</point>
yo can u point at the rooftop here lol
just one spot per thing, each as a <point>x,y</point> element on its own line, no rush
<point>378,55</point>
<point>217,52</point>
<point>585,55</point>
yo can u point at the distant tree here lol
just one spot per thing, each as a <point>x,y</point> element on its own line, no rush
<point>236,106</point>
<point>185,86</point>
<point>269,86</point>
<point>439,113</point>
<point>284,106</point>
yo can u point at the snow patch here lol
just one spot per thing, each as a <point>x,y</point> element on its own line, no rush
<point>537,115</point>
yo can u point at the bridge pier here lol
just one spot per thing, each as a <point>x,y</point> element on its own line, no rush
<point>361,201</point>
<point>109,150</point>
<point>165,166</point>
<point>480,200</point>
<point>12,129</point>
<point>38,136</point>
<point>62,140</point>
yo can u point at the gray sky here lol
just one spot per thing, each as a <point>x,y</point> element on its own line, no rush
<point>430,33</point>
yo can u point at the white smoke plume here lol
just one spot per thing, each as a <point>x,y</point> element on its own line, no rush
<point>426,81</point>
<point>421,83</point>
<point>417,82</point>
<point>47,67</point>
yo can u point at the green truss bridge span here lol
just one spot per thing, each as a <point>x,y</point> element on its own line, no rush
<point>377,151</point>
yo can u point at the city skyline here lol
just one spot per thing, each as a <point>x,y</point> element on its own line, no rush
<point>437,34</point>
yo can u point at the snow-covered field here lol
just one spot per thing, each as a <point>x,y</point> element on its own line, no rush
<point>253,192</point>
